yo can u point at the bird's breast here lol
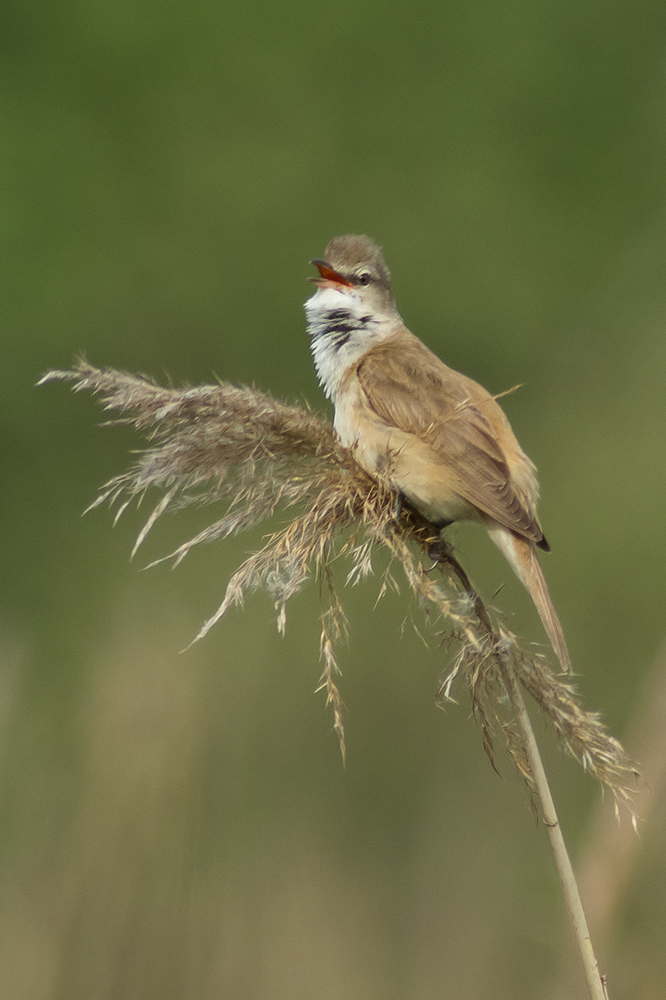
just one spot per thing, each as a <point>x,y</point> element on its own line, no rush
<point>401,458</point>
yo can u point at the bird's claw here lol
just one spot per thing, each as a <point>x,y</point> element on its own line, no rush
<point>438,551</point>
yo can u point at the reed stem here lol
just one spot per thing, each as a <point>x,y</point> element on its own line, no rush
<point>596,983</point>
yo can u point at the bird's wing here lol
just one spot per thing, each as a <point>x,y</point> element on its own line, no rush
<point>409,388</point>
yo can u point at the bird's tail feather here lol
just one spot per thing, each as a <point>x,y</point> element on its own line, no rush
<point>522,555</point>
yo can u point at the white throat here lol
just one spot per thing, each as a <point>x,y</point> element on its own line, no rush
<point>341,329</point>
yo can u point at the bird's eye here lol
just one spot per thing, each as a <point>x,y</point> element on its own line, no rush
<point>364,278</point>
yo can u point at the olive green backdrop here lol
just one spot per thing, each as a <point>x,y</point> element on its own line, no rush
<point>180,826</point>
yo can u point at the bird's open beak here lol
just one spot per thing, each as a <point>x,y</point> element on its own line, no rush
<point>328,275</point>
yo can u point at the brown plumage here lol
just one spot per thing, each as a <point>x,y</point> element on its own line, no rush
<point>439,437</point>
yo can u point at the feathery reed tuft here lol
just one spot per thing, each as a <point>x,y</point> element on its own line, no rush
<point>221,443</point>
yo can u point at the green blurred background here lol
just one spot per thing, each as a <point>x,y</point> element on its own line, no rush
<point>180,826</point>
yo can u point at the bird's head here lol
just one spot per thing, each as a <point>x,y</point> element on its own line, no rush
<point>354,264</point>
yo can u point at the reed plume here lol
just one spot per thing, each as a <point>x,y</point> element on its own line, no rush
<point>237,447</point>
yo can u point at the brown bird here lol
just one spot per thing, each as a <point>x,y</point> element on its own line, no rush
<point>440,438</point>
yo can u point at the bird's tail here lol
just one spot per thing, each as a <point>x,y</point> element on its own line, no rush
<point>522,555</point>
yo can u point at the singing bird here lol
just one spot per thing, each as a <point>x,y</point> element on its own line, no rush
<point>439,438</point>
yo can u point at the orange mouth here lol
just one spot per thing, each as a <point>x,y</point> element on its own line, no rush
<point>329,277</point>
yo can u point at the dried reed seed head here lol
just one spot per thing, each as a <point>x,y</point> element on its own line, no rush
<point>234,444</point>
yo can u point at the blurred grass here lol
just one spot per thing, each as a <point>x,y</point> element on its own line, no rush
<point>181,826</point>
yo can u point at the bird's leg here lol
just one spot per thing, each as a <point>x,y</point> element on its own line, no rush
<point>399,503</point>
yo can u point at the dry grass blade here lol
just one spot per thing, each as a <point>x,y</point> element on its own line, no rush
<point>239,447</point>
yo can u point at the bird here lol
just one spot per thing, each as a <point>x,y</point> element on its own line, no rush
<point>440,439</point>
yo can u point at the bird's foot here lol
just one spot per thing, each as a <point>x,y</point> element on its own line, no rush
<point>439,551</point>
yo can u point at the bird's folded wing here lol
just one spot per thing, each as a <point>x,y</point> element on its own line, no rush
<point>409,388</point>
